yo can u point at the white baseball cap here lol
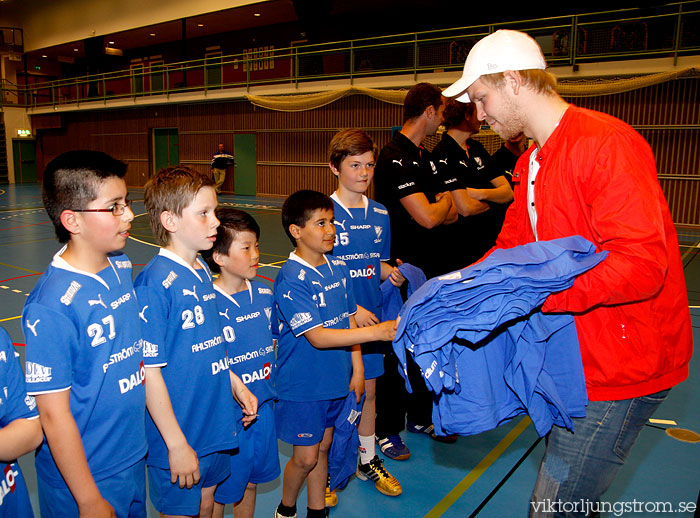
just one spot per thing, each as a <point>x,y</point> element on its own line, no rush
<point>500,51</point>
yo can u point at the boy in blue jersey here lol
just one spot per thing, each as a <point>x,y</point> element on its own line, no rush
<point>319,361</point>
<point>362,240</point>
<point>84,347</point>
<point>245,307</point>
<point>20,432</point>
<point>191,421</point>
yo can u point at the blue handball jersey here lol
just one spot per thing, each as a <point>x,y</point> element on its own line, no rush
<point>247,319</point>
<point>14,404</point>
<point>181,326</point>
<point>363,240</point>
<point>307,297</point>
<point>83,335</point>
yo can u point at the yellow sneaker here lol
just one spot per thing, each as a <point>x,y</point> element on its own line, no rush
<point>384,481</point>
<point>331,496</point>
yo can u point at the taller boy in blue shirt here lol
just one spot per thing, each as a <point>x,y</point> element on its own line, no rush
<point>363,241</point>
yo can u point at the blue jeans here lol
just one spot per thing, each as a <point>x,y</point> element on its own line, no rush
<point>578,468</point>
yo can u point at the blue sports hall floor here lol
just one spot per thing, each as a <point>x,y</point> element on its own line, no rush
<point>489,475</point>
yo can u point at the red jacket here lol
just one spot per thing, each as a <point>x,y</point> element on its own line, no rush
<point>597,179</point>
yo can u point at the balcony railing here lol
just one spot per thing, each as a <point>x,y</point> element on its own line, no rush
<point>668,31</point>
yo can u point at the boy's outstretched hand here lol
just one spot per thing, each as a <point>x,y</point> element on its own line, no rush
<point>386,330</point>
<point>396,277</point>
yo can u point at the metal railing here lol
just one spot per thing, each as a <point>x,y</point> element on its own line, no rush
<point>667,31</point>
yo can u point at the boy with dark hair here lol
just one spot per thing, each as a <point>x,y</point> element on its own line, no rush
<point>84,351</point>
<point>187,369</point>
<point>20,432</point>
<point>245,307</point>
<point>362,240</point>
<point>315,368</point>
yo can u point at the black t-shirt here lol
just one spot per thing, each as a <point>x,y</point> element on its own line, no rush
<point>473,234</point>
<point>504,161</point>
<point>403,169</point>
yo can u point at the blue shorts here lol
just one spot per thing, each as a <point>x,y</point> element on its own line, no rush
<point>257,460</point>
<point>125,491</point>
<point>302,423</point>
<point>168,498</point>
<point>373,359</point>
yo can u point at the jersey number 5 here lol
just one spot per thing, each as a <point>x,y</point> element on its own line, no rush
<point>343,238</point>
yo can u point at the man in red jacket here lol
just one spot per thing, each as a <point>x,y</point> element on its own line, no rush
<point>589,174</point>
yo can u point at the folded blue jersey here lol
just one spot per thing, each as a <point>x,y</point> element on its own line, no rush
<point>342,457</point>
<point>485,349</point>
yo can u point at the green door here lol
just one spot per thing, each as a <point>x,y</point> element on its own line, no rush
<point>24,155</point>
<point>213,70</point>
<point>245,173</point>
<point>165,148</point>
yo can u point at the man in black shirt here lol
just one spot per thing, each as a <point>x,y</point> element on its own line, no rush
<point>407,184</point>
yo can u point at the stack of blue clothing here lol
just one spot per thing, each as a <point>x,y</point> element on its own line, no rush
<point>484,348</point>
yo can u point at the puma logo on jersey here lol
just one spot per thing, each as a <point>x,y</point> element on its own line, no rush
<point>193,293</point>
<point>339,224</point>
<point>142,314</point>
<point>464,163</point>
<point>444,161</point>
<point>316,282</point>
<point>397,162</point>
<point>416,163</point>
<point>98,301</point>
<point>32,327</point>
<point>224,314</point>
<point>287,295</point>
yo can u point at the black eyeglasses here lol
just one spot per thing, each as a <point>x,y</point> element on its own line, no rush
<point>117,209</point>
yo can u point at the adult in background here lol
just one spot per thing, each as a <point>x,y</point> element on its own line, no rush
<point>219,162</point>
<point>593,175</point>
<point>506,156</point>
<point>407,184</point>
<point>477,190</point>
<point>503,161</point>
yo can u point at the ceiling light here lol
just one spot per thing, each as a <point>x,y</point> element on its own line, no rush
<point>200,25</point>
<point>111,43</point>
<point>152,34</point>
<point>76,50</point>
<point>256,14</point>
<point>44,56</point>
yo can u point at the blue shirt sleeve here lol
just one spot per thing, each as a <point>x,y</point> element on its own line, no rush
<point>14,401</point>
<point>154,315</point>
<point>52,341</point>
<point>297,305</point>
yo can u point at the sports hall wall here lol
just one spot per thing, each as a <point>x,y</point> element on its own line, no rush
<point>291,147</point>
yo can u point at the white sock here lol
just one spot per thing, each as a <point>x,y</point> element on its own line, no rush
<point>366,448</point>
